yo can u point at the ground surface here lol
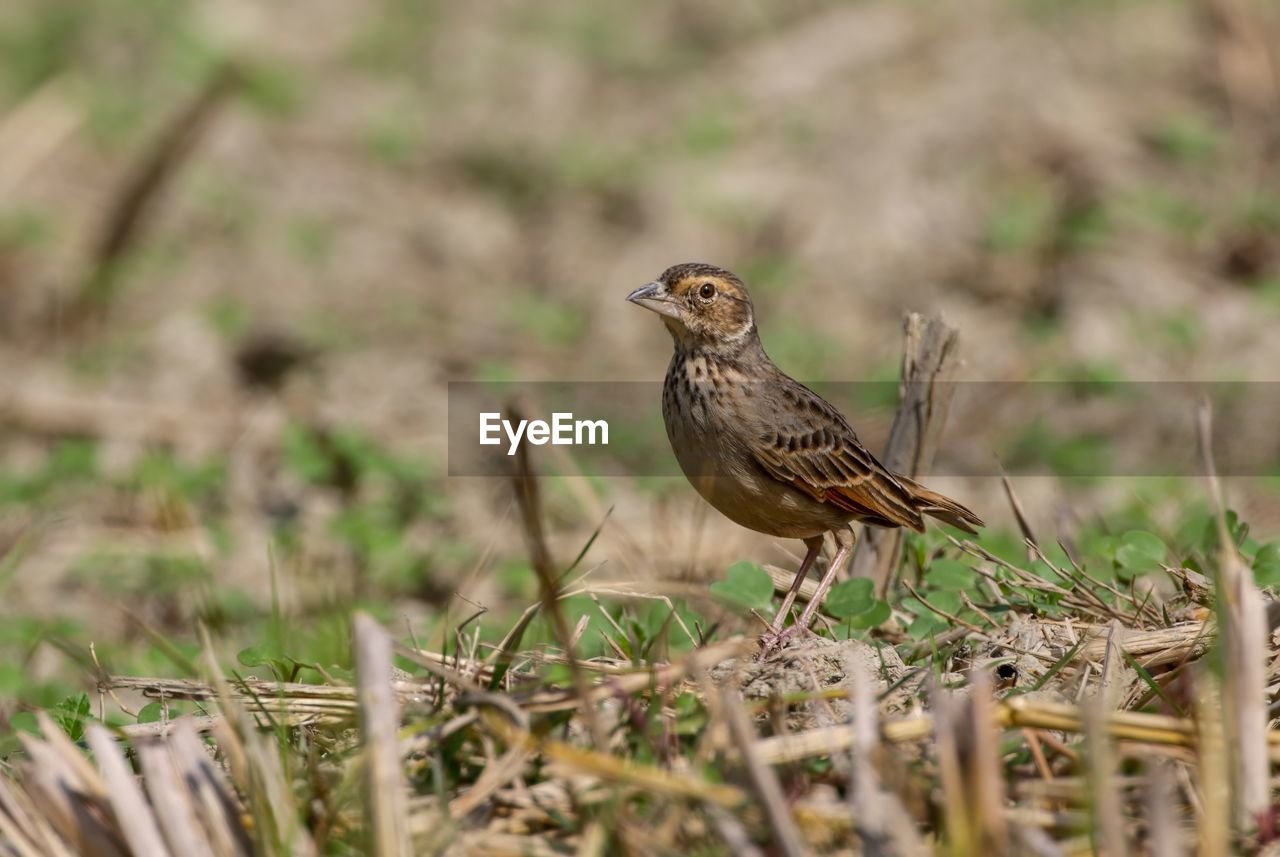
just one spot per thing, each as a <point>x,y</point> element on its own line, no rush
<point>402,194</point>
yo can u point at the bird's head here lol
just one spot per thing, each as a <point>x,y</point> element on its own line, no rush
<point>701,305</point>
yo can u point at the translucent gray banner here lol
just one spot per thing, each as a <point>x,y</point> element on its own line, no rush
<point>1070,429</point>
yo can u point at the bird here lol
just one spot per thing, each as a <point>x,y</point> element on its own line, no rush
<point>763,449</point>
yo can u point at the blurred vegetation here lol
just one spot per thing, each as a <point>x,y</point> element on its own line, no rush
<point>245,431</point>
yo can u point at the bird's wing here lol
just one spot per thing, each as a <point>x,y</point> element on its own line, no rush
<point>808,444</point>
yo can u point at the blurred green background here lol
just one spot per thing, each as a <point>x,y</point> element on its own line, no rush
<point>245,246</point>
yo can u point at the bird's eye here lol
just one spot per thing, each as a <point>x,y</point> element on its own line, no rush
<point>707,291</point>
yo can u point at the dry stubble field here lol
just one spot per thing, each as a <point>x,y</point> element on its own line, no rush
<point>243,249</point>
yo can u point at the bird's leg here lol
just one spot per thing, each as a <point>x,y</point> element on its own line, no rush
<point>845,542</point>
<point>777,635</point>
<point>814,547</point>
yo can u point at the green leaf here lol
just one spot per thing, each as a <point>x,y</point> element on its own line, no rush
<point>850,597</point>
<point>950,574</point>
<point>12,679</point>
<point>253,656</point>
<point>1237,530</point>
<point>746,585</point>
<point>1266,565</point>
<point>70,714</point>
<point>947,602</point>
<point>24,721</point>
<point>75,706</point>
<point>557,675</point>
<point>151,713</point>
<point>873,617</point>
<point>926,626</point>
<point>1141,551</point>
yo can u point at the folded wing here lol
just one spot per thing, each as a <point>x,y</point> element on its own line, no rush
<point>819,453</point>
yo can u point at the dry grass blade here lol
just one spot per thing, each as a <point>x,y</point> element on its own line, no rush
<point>764,782</point>
<point>62,804</point>
<point>622,771</point>
<point>530,503</point>
<point>54,786</point>
<point>500,771</point>
<point>1153,648</point>
<point>961,831</point>
<point>385,789</point>
<point>865,793</point>
<point>1019,514</point>
<point>209,794</point>
<point>78,768</point>
<point>635,681</point>
<point>883,824</point>
<point>1162,821</point>
<point>1214,781</point>
<point>1105,797</point>
<point>201,723</point>
<point>985,782</point>
<point>297,703</point>
<point>733,833</point>
<point>1112,665</point>
<point>142,185</point>
<point>254,763</point>
<point>131,809</point>
<point>176,816</point>
<point>484,843</point>
<point>1018,712</point>
<point>1242,618</point>
<point>26,828</point>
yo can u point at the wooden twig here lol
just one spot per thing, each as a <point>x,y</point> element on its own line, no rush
<point>928,363</point>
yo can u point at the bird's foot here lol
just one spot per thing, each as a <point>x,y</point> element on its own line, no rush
<point>774,640</point>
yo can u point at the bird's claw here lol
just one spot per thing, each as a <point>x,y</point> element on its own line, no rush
<point>774,640</point>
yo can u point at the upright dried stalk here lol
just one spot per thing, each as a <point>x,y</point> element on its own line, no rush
<point>764,782</point>
<point>1163,836</point>
<point>928,363</point>
<point>386,795</point>
<point>141,187</point>
<point>1108,821</point>
<point>1243,623</point>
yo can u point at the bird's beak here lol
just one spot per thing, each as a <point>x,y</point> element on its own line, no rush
<point>654,296</point>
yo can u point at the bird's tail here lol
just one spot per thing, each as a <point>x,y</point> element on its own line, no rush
<point>945,509</point>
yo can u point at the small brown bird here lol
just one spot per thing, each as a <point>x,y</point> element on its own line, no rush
<point>762,448</point>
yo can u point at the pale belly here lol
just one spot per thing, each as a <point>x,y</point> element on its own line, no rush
<point>723,471</point>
